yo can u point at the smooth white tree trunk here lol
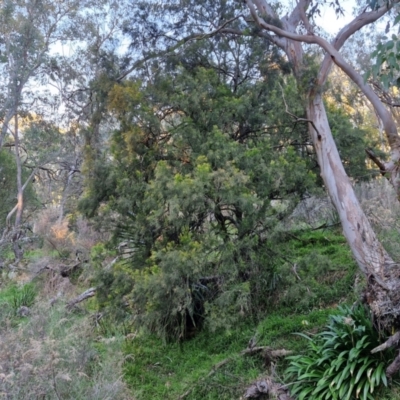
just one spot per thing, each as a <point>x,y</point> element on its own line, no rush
<point>383,292</point>
<point>383,275</point>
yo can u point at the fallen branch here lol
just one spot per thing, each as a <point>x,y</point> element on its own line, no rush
<point>268,354</point>
<point>391,342</point>
<point>85,295</point>
<point>267,386</point>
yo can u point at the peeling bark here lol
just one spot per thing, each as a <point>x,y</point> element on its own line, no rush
<point>382,273</point>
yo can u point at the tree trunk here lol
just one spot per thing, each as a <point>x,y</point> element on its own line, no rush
<point>383,294</point>
<point>20,196</point>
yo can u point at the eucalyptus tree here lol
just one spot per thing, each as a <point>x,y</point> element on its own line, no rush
<point>168,27</point>
<point>40,43</point>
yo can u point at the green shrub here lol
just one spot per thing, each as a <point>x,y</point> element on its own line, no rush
<point>339,364</point>
<point>22,296</point>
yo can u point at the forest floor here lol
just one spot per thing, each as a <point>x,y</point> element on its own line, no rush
<point>48,351</point>
<point>51,352</point>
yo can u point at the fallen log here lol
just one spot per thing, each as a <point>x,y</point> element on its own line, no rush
<point>85,295</point>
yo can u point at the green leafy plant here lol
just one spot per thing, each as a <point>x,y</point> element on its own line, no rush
<point>22,296</point>
<point>339,364</point>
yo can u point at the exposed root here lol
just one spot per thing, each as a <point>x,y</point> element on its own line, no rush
<point>393,367</point>
<point>393,341</point>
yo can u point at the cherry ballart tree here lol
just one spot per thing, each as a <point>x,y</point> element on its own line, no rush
<point>160,29</point>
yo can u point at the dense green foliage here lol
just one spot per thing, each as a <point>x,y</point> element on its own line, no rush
<point>167,371</point>
<point>196,182</point>
<point>339,363</point>
<point>201,174</point>
<point>351,142</point>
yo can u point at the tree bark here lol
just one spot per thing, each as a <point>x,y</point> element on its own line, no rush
<point>382,273</point>
<point>383,294</point>
<point>83,296</point>
<point>20,195</point>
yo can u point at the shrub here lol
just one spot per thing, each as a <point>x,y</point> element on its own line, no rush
<point>23,296</point>
<point>339,364</point>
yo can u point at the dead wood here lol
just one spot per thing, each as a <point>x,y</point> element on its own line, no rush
<point>257,389</point>
<point>85,295</point>
<point>267,353</point>
<point>272,353</point>
<point>393,367</point>
<point>391,342</point>
<point>267,386</point>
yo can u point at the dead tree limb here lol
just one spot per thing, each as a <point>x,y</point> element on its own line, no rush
<point>391,342</point>
<point>267,352</point>
<point>267,386</point>
<point>85,295</point>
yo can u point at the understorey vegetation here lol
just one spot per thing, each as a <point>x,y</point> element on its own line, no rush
<point>339,363</point>
<point>199,200</point>
<point>200,183</point>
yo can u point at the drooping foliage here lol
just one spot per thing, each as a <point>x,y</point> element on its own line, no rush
<point>387,56</point>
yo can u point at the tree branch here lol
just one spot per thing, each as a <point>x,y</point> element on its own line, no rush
<point>377,161</point>
<point>359,22</point>
<point>299,14</point>
<point>85,295</point>
<point>336,57</point>
<point>196,36</point>
<point>391,342</point>
<point>280,42</point>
